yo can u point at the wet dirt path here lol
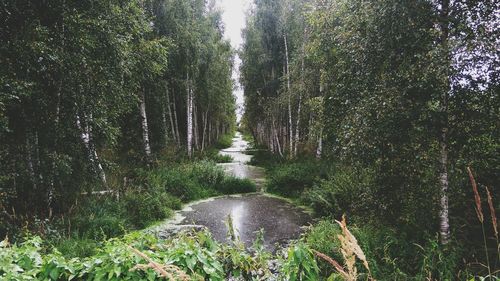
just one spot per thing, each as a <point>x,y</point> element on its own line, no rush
<point>280,220</point>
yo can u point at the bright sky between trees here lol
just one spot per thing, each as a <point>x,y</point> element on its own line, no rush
<point>234,20</point>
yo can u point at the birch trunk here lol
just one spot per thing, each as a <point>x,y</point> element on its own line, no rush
<point>444,224</point>
<point>205,120</point>
<point>302,88</point>
<point>290,126</point>
<point>277,140</point>
<point>91,152</point>
<point>178,138</point>
<point>172,128</point>
<point>164,124</point>
<point>209,133</point>
<point>144,125</point>
<point>319,148</point>
<point>196,134</point>
<point>189,117</point>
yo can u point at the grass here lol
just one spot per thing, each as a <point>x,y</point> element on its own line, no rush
<point>213,155</point>
<point>153,197</point>
<point>139,256</point>
<point>291,179</point>
<point>225,141</point>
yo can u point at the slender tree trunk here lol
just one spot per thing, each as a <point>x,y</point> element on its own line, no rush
<point>189,117</point>
<point>444,223</point>
<point>85,136</point>
<point>172,128</point>
<point>319,148</point>
<point>196,128</point>
<point>93,150</point>
<point>290,125</point>
<point>209,133</point>
<point>144,125</point>
<point>178,138</point>
<point>299,107</point>
<point>29,163</point>
<point>217,130</point>
<point>164,124</point>
<point>277,140</point>
<point>205,121</point>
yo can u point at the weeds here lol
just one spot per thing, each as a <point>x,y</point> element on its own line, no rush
<point>350,250</point>
<point>480,217</point>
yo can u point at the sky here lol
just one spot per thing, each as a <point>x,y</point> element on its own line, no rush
<point>234,21</point>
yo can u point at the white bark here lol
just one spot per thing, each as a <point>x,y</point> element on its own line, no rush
<point>290,125</point>
<point>205,120</point>
<point>189,117</point>
<point>302,88</point>
<point>144,126</point>
<point>277,140</point>
<point>444,223</point>
<point>319,148</point>
<point>178,138</point>
<point>196,133</point>
<point>85,136</point>
<point>172,128</point>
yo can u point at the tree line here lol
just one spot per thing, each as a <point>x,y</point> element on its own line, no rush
<point>88,87</point>
<point>408,90</point>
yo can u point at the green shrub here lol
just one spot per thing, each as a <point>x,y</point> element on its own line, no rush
<point>99,219</point>
<point>390,254</point>
<point>144,208</point>
<point>264,158</point>
<point>300,263</point>
<point>219,158</point>
<point>74,247</point>
<point>190,181</point>
<point>206,174</point>
<point>233,185</point>
<point>439,262</point>
<point>214,156</point>
<point>171,201</point>
<point>224,141</point>
<point>322,237</point>
<point>345,191</point>
<point>291,179</point>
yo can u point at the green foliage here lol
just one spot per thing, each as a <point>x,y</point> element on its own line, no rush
<point>99,219</point>
<point>144,208</point>
<point>214,155</point>
<point>397,94</point>
<point>344,191</point>
<point>225,141</point>
<point>233,185</point>
<point>77,247</point>
<point>390,254</point>
<point>264,158</point>
<point>73,77</point>
<point>439,262</point>
<point>197,180</point>
<point>290,179</point>
<point>300,264</point>
<point>197,255</point>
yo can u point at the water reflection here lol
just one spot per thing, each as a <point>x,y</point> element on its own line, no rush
<point>237,215</point>
<point>238,167</point>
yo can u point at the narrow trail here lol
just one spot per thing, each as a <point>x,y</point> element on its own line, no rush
<point>280,220</point>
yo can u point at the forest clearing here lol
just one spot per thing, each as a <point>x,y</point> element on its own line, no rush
<point>249,140</point>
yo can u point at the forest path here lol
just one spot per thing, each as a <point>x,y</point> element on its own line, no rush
<point>280,220</point>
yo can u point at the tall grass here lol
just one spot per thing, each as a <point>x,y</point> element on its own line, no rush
<point>480,217</point>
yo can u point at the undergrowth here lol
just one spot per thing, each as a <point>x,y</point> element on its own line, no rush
<point>150,197</point>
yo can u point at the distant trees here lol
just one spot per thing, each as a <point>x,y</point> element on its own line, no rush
<point>406,89</point>
<point>84,83</point>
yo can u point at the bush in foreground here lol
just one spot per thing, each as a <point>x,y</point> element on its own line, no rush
<point>139,256</point>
